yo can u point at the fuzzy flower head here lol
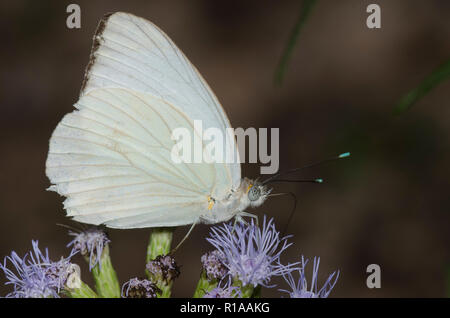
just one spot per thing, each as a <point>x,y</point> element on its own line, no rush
<point>163,268</point>
<point>36,276</point>
<point>299,289</point>
<point>213,265</point>
<point>139,288</point>
<point>250,253</point>
<point>90,243</point>
<point>226,291</point>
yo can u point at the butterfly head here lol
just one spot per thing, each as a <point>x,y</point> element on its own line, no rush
<point>256,192</point>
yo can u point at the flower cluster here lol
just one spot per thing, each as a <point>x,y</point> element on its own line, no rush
<point>36,276</point>
<point>90,243</point>
<point>299,288</point>
<point>139,288</point>
<point>213,265</point>
<point>226,291</point>
<point>163,268</point>
<point>251,254</point>
<point>246,257</point>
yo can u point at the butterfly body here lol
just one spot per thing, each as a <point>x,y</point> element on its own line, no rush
<point>111,157</point>
<point>235,202</point>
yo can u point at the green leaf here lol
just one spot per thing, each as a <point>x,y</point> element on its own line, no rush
<point>438,76</point>
<point>305,10</point>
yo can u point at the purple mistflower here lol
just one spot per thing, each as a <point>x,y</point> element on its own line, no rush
<point>226,291</point>
<point>36,276</point>
<point>251,254</point>
<point>90,242</point>
<point>213,265</point>
<point>299,289</point>
<point>139,288</point>
<point>163,268</point>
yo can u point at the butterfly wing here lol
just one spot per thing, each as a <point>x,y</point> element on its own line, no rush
<point>131,52</point>
<point>111,157</point>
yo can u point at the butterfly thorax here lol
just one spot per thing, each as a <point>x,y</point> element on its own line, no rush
<point>249,193</point>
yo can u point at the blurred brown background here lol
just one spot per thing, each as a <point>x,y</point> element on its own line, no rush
<point>388,204</point>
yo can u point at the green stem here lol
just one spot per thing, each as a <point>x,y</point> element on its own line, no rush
<point>105,277</point>
<point>246,290</point>
<point>84,291</point>
<point>204,285</point>
<point>257,292</point>
<point>160,243</point>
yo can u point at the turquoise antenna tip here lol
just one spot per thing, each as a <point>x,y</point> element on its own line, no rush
<point>344,155</point>
<point>319,180</point>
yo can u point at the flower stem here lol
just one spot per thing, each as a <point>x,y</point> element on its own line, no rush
<point>159,244</point>
<point>257,292</point>
<point>246,290</point>
<point>105,277</point>
<point>84,291</point>
<point>204,285</point>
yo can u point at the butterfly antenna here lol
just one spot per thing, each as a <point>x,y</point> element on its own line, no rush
<point>272,178</point>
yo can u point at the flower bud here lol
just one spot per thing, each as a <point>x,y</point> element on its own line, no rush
<point>163,269</point>
<point>213,266</point>
<point>139,288</point>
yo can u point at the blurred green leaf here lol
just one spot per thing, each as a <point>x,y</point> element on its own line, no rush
<point>305,10</point>
<point>439,75</point>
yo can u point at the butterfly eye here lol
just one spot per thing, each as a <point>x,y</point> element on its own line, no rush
<point>254,193</point>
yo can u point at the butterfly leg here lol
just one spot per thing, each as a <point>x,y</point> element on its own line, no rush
<point>240,215</point>
<point>185,237</point>
<point>239,219</point>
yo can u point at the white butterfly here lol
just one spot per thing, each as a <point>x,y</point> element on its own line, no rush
<point>111,158</point>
